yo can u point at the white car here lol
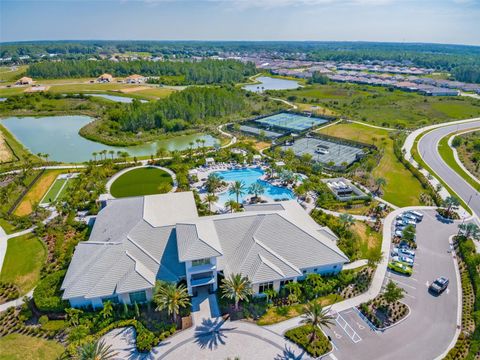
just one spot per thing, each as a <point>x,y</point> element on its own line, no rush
<point>403,259</point>
<point>403,251</point>
<point>398,233</point>
<point>409,216</point>
<point>417,214</point>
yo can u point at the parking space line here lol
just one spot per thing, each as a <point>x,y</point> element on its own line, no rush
<point>410,296</point>
<point>333,357</point>
<point>413,279</point>
<point>407,285</point>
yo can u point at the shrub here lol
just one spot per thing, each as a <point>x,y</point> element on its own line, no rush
<point>47,295</point>
<point>301,336</point>
<point>43,320</point>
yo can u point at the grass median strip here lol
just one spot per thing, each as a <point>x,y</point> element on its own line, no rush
<point>446,152</point>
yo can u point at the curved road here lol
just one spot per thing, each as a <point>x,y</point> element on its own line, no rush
<point>428,150</point>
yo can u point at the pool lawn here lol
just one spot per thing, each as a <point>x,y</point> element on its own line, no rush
<point>23,347</point>
<point>402,188</point>
<point>24,259</point>
<point>143,181</point>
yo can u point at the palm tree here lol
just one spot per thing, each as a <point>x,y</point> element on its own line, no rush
<point>469,230</point>
<point>270,294</point>
<point>73,316</point>
<point>236,287</point>
<point>111,152</point>
<point>316,316</point>
<point>213,183</point>
<point>393,292</point>
<point>256,189</point>
<point>107,310</point>
<point>211,198</point>
<point>96,351</point>
<point>232,205</point>
<point>94,154</point>
<point>380,182</point>
<point>450,203</point>
<point>171,297</point>
<point>237,189</point>
<point>346,220</point>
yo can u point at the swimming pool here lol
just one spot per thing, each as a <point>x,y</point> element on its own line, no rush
<point>250,176</point>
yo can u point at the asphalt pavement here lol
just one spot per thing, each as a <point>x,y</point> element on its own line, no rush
<point>432,323</point>
<point>428,150</point>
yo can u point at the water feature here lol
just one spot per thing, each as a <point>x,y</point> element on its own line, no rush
<point>115,98</point>
<point>58,136</point>
<point>269,83</point>
<point>250,176</point>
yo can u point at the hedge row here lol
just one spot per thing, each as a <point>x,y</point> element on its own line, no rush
<point>302,337</point>
<point>47,294</point>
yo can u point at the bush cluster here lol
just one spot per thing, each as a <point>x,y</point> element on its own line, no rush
<point>47,294</point>
<point>302,336</point>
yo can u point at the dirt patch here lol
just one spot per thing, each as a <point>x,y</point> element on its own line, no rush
<point>36,193</point>
<point>133,89</point>
<point>37,89</point>
<point>5,153</point>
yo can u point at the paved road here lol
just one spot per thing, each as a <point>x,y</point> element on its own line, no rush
<point>429,329</point>
<point>427,148</point>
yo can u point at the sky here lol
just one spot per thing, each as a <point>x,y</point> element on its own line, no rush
<point>436,21</point>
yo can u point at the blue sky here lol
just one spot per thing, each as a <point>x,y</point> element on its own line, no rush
<point>440,21</point>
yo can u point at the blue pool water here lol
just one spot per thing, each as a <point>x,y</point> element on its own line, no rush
<point>250,176</point>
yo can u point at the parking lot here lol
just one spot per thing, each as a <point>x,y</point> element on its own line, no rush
<point>431,324</point>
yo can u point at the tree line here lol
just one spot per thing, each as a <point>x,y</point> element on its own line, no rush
<point>182,110</point>
<point>192,72</point>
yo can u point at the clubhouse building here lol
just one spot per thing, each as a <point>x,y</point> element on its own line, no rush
<point>136,241</point>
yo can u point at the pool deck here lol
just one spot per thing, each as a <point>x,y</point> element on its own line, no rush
<point>202,174</point>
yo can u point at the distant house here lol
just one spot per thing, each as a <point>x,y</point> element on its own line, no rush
<point>24,81</point>
<point>105,78</point>
<point>135,79</point>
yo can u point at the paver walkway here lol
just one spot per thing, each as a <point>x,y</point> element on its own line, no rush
<point>204,306</point>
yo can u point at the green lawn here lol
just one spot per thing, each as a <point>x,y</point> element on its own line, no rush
<point>52,194</point>
<point>402,188</point>
<point>22,347</point>
<point>143,181</point>
<point>24,259</point>
<point>447,155</point>
<point>380,106</point>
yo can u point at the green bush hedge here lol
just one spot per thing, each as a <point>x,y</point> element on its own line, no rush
<point>301,336</point>
<point>47,294</point>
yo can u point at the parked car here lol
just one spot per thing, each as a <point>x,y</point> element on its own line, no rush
<point>407,221</point>
<point>398,233</point>
<point>400,268</point>
<point>409,216</point>
<point>403,259</point>
<point>417,214</point>
<point>439,285</point>
<point>403,251</point>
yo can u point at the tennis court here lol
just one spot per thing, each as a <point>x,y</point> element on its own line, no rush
<point>291,121</point>
<point>258,131</point>
<point>325,151</point>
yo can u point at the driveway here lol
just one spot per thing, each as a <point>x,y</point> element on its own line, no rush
<point>431,326</point>
<point>427,148</point>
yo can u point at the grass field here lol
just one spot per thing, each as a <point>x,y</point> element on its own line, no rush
<point>8,76</point>
<point>402,188</point>
<point>143,181</point>
<point>23,347</point>
<point>36,193</point>
<point>52,194</point>
<point>447,155</point>
<point>24,259</point>
<point>369,238</point>
<point>380,106</point>
<point>5,152</point>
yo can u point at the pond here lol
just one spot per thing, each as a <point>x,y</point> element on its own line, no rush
<point>58,136</point>
<point>115,98</point>
<point>269,83</point>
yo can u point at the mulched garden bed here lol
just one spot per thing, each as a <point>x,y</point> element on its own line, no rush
<point>381,314</point>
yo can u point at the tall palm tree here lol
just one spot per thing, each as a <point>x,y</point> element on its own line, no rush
<point>96,351</point>
<point>213,183</point>
<point>236,287</point>
<point>171,297</point>
<point>316,316</point>
<point>256,189</point>
<point>232,205</point>
<point>450,203</point>
<point>237,189</point>
<point>380,182</point>
<point>469,230</point>
<point>94,154</point>
<point>210,198</point>
<point>111,152</point>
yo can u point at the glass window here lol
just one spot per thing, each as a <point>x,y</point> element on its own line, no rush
<point>201,262</point>
<point>285,282</point>
<point>113,299</point>
<point>138,297</point>
<point>264,286</point>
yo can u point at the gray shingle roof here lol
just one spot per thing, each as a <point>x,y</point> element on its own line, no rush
<point>197,241</point>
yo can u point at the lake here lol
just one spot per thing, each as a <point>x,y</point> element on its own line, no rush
<point>115,98</point>
<point>58,136</point>
<point>269,83</point>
